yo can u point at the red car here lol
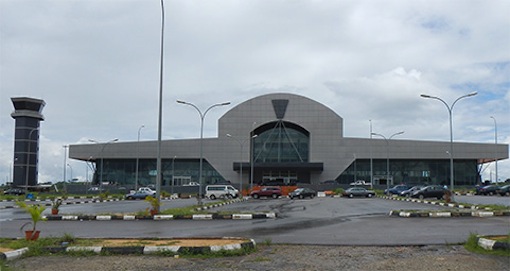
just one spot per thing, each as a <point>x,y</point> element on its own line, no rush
<point>268,191</point>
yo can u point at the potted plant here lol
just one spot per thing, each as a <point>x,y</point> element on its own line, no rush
<point>55,205</point>
<point>35,211</point>
<point>155,204</point>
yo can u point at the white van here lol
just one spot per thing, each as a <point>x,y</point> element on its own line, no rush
<point>221,191</point>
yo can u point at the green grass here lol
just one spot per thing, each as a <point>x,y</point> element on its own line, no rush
<point>192,210</point>
<point>218,254</point>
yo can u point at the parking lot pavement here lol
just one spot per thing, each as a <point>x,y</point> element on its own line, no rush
<point>327,207</point>
<point>478,200</point>
<point>328,221</point>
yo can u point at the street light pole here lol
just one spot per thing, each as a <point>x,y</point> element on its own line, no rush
<point>495,145</point>
<point>241,143</point>
<point>159,173</point>
<point>387,154</point>
<point>64,187</point>
<point>71,168</point>
<point>137,157</point>
<point>202,117</point>
<point>371,159</point>
<point>173,174</point>
<point>450,109</point>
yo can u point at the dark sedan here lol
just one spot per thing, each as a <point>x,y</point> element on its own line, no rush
<point>396,189</point>
<point>14,191</point>
<point>358,192</point>
<point>504,190</point>
<point>488,190</point>
<point>302,193</point>
<point>408,192</point>
<point>431,191</point>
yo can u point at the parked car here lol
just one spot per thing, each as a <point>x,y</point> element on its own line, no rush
<point>488,190</point>
<point>268,191</point>
<point>359,182</point>
<point>408,192</point>
<point>504,190</point>
<point>14,191</point>
<point>147,190</point>
<point>431,191</point>
<point>137,195</point>
<point>358,192</point>
<point>302,193</point>
<point>396,189</point>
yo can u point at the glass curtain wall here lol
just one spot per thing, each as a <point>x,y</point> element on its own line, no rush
<point>123,172</point>
<point>280,142</point>
<point>412,172</point>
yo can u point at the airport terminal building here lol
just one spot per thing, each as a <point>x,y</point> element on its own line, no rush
<point>287,138</point>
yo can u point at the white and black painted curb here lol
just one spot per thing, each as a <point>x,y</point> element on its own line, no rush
<point>159,217</point>
<point>464,211</point>
<point>11,255</point>
<point>458,213</point>
<point>489,244</point>
<point>141,250</point>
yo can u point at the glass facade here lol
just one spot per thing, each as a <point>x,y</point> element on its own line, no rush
<point>278,151</point>
<point>123,172</point>
<point>412,172</point>
<point>281,142</point>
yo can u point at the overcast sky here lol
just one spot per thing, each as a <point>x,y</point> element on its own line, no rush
<point>96,65</point>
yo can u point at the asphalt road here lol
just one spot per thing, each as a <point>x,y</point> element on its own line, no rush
<point>327,221</point>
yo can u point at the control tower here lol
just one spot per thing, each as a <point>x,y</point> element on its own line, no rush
<point>27,113</point>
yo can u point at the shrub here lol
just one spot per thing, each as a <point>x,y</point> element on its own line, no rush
<point>338,191</point>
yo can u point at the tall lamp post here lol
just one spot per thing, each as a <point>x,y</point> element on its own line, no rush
<point>450,109</point>
<point>28,159</point>
<point>173,174</point>
<point>241,143</point>
<point>387,154</point>
<point>371,159</point>
<point>71,168</point>
<point>65,168</point>
<point>202,117</point>
<point>101,169</point>
<point>137,157</point>
<point>495,145</point>
<point>160,107</point>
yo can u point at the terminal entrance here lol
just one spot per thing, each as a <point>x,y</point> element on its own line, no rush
<point>286,177</point>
